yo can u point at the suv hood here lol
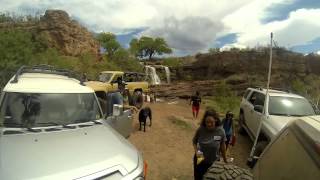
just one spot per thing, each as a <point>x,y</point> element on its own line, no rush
<point>276,123</point>
<point>65,154</point>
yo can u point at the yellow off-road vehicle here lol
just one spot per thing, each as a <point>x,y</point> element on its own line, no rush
<point>135,83</point>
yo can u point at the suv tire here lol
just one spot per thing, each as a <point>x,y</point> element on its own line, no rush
<point>220,170</point>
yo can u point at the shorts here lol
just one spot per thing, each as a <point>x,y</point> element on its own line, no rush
<point>195,108</point>
<point>228,137</point>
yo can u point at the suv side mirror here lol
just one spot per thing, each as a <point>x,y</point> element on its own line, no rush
<point>258,108</point>
<point>117,110</point>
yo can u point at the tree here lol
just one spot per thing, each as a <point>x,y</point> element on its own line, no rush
<point>109,42</point>
<point>147,47</point>
<point>214,50</point>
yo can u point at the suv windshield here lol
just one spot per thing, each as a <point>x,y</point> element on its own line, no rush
<point>105,77</point>
<point>289,106</point>
<point>45,109</point>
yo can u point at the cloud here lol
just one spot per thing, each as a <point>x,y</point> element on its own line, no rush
<point>191,25</point>
<point>189,34</point>
<point>299,28</point>
<point>118,16</point>
<point>281,11</point>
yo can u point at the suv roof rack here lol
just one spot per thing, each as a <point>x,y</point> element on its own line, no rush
<point>47,69</point>
<point>274,88</point>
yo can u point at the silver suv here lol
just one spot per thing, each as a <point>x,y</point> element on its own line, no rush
<point>282,108</point>
<point>52,127</point>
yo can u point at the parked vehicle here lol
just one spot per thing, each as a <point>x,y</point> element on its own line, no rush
<point>282,108</point>
<point>52,127</point>
<point>293,154</point>
<point>134,82</point>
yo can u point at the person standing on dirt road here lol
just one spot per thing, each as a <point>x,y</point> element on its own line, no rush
<point>228,126</point>
<point>209,139</point>
<point>195,101</point>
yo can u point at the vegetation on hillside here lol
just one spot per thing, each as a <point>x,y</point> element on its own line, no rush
<point>148,47</point>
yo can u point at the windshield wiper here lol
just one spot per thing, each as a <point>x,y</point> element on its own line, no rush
<point>47,123</point>
<point>279,114</point>
<point>96,122</point>
<point>33,130</point>
<point>68,126</point>
<point>14,125</point>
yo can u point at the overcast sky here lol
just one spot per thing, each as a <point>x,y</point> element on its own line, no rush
<point>191,26</point>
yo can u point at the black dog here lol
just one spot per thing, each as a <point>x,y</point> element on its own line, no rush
<point>143,115</point>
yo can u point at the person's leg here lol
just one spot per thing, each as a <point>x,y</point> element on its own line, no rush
<point>201,169</point>
<point>194,111</point>
<point>197,111</point>
<point>228,137</point>
<point>195,175</point>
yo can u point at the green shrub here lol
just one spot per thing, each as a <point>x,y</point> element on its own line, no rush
<point>172,62</point>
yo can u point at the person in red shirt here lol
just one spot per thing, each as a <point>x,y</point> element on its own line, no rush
<point>195,101</point>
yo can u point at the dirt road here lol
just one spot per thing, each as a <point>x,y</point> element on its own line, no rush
<point>167,145</point>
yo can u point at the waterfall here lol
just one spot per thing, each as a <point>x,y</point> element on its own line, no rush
<point>151,72</point>
<point>167,73</point>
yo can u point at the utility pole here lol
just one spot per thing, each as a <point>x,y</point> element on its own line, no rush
<point>251,159</point>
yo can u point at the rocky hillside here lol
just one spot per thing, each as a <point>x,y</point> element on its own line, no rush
<point>286,65</point>
<point>60,32</point>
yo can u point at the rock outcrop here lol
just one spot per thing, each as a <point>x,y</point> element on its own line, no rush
<point>65,34</point>
<point>60,32</point>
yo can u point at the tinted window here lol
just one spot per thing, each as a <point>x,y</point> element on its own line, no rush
<point>289,106</point>
<point>35,109</point>
<point>257,99</point>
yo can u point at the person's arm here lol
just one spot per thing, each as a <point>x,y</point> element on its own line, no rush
<point>223,151</point>
<point>195,141</point>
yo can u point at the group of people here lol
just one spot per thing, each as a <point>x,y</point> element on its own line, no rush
<point>211,139</point>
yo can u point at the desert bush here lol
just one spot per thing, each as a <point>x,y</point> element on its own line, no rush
<point>172,62</point>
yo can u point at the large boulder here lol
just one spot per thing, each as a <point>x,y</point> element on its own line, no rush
<point>65,34</point>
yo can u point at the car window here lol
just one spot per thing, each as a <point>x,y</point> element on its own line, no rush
<point>257,99</point>
<point>41,109</point>
<point>117,78</point>
<point>105,77</point>
<point>289,106</point>
<point>113,98</point>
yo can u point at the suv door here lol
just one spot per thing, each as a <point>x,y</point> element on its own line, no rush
<point>254,117</point>
<point>123,122</point>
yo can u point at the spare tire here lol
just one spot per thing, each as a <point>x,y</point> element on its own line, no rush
<point>221,170</point>
<point>137,99</point>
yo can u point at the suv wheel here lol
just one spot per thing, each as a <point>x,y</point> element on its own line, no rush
<point>221,170</point>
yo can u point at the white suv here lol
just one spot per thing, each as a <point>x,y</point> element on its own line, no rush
<point>52,127</point>
<point>283,107</point>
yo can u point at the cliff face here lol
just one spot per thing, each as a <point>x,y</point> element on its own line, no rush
<point>66,34</point>
<point>221,65</point>
<point>61,32</point>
